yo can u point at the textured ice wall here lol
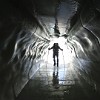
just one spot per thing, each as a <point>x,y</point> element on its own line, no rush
<point>24,38</point>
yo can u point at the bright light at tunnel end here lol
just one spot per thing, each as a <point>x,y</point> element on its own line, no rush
<point>65,56</point>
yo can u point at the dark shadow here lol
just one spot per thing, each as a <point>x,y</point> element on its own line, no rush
<point>55,79</point>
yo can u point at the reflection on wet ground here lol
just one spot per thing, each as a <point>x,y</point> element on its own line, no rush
<point>52,83</point>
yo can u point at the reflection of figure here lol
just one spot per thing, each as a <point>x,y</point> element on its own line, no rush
<point>55,48</point>
<point>55,80</point>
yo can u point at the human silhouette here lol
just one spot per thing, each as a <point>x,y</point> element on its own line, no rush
<point>55,48</point>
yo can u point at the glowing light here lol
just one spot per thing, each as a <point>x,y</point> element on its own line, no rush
<point>65,56</point>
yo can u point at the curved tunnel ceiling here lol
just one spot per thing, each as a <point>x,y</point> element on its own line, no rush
<point>27,29</point>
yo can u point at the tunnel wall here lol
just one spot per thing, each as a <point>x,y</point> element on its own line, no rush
<point>15,17</point>
<point>85,31</point>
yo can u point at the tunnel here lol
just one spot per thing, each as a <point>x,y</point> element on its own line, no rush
<point>28,28</point>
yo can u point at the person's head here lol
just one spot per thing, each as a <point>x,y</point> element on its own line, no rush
<point>55,44</point>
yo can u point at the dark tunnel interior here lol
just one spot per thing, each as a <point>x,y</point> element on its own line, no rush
<point>28,28</point>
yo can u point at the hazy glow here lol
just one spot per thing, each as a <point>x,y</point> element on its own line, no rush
<point>65,56</point>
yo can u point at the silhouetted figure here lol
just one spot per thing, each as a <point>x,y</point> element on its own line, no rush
<point>55,48</point>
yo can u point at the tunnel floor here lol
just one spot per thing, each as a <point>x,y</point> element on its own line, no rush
<point>50,83</point>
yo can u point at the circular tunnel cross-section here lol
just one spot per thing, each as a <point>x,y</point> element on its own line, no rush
<point>31,67</point>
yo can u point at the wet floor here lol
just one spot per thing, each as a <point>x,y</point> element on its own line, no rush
<point>52,83</point>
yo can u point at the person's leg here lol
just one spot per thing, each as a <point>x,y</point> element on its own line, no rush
<point>57,61</point>
<point>54,60</point>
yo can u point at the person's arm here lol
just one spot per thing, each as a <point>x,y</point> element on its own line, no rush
<point>50,48</point>
<point>60,49</point>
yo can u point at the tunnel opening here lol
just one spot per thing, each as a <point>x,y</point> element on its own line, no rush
<point>28,29</point>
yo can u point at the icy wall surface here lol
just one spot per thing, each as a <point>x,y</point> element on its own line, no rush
<point>27,27</point>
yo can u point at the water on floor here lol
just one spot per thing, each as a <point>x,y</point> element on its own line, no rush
<point>57,83</point>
